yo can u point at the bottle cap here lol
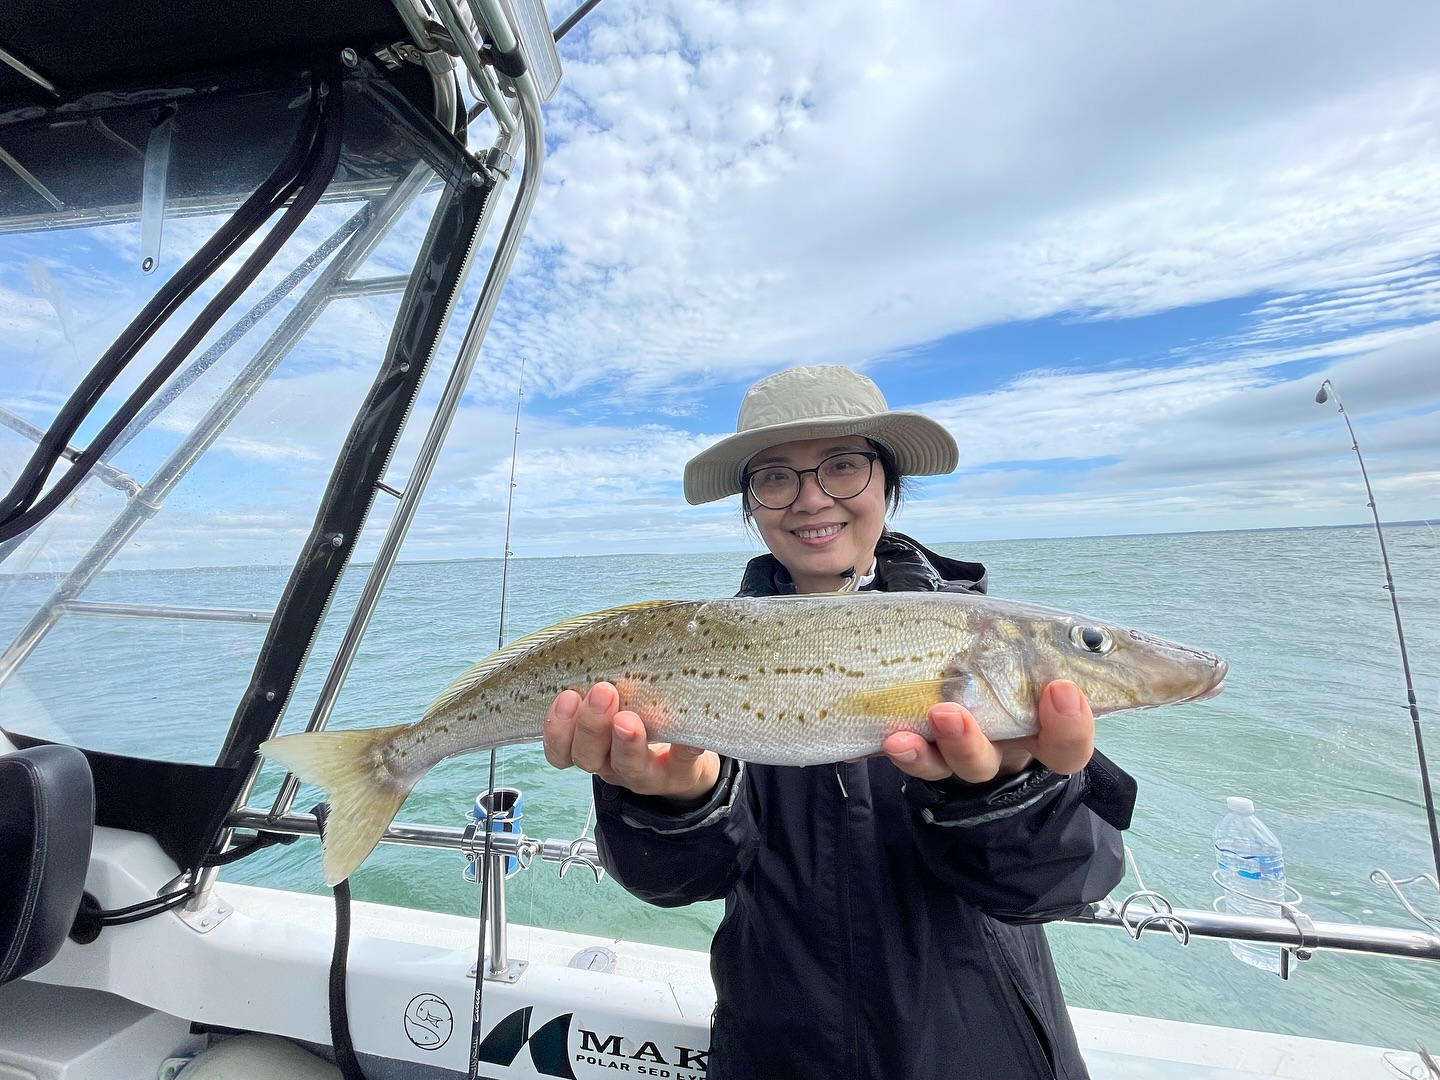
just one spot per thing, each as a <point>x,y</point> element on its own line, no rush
<point>1239,805</point>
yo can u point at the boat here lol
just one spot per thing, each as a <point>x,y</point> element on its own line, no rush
<point>314,166</point>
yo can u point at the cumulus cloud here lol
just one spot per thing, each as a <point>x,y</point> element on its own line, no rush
<point>734,187</point>
<point>724,197</point>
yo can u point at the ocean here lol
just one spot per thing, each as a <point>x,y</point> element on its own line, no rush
<point>1312,726</point>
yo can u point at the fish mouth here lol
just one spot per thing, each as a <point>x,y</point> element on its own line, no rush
<point>1206,695</point>
<point>1221,670</point>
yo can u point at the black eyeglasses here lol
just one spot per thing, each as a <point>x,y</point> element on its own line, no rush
<point>841,476</point>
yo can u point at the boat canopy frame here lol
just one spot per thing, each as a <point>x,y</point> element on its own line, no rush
<point>408,131</point>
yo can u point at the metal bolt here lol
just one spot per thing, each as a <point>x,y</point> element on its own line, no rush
<point>349,58</point>
<point>476,179</point>
<point>404,366</point>
<point>269,695</point>
<point>337,539</point>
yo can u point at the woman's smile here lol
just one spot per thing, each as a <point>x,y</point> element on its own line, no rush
<point>818,534</point>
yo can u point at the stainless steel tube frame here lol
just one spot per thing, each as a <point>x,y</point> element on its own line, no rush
<point>439,425</point>
<point>502,845</point>
<point>1345,937</point>
<point>479,71</point>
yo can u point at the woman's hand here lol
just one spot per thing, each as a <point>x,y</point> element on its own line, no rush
<point>593,734</point>
<point>1064,742</point>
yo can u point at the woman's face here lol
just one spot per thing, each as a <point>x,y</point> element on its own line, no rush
<point>817,538</point>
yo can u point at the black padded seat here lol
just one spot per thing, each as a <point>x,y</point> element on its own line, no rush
<point>47,817</point>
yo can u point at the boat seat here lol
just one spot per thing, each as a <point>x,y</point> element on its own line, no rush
<point>253,1056</point>
<point>47,816</point>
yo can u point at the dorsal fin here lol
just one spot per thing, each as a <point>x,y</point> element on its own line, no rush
<point>474,675</point>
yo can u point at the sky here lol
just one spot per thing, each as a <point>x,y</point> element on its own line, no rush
<point>1114,247</point>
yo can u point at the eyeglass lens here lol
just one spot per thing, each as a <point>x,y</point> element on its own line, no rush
<point>841,476</point>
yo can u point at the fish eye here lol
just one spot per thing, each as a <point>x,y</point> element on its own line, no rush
<point>1093,639</point>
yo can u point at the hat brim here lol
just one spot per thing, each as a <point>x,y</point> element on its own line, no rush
<point>920,445</point>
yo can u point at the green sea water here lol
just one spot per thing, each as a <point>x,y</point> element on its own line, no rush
<point>1312,726</point>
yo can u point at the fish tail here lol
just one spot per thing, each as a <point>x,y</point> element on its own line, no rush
<point>365,795</point>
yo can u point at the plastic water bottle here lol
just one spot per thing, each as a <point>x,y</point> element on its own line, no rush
<point>1251,868</point>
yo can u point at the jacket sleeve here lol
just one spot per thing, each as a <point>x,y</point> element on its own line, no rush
<point>671,859</point>
<point>1027,848</point>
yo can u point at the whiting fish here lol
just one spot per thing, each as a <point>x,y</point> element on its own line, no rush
<point>799,680</point>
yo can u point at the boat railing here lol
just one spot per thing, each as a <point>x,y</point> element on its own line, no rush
<point>1297,936</point>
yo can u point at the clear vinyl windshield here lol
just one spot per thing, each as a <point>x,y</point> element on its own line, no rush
<point>132,616</point>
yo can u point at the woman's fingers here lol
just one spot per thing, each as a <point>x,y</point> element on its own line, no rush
<point>594,727</point>
<point>971,756</point>
<point>632,759</point>
<point>913,755</point>
<point>594,734</point>
<point>559,730</point>
<point>1064,743</point>
<point>1067,728</point>
<point>959,748</point>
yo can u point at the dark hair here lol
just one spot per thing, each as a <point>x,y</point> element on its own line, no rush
<point>897,485</point>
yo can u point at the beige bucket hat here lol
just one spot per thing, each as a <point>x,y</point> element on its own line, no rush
<point>816,403</point>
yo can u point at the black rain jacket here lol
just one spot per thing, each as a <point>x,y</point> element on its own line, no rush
<point>877,925</point>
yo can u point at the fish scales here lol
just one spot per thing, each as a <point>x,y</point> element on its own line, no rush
<point>799,680</point>
<point>786,681</point>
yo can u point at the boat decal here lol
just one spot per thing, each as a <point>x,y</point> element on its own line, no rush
<point>428,1021</point>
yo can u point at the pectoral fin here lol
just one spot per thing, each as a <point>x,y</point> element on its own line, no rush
<point>898,701</point>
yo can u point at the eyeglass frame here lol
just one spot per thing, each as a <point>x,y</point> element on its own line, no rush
<point>870,456</point>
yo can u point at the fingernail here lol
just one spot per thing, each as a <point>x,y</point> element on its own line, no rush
<point>597,698</point>
<point>627,735</point>
<point>566,704</point>
<point>907,756</point>
<point>1065,696</point>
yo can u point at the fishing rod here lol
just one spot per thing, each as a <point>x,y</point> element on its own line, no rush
<point>1326,391</point>
<point>486,885</point>
<point>510,505</point>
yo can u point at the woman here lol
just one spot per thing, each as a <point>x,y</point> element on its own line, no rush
<point>881,916</point>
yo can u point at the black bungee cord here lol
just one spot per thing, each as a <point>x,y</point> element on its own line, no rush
<point>304,174</point>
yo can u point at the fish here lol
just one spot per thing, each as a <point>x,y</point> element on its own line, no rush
<point>794,680</point>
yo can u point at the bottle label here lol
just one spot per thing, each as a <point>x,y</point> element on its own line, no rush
<point>1252,867</point>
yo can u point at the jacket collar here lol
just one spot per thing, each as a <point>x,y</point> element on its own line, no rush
<point>902,565</point>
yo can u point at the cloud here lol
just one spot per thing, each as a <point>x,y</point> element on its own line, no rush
<point>723,199</point>
<point>736,187</point>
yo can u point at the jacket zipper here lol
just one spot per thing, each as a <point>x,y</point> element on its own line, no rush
<point>1031,1016</point>
<point>848,922</point>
